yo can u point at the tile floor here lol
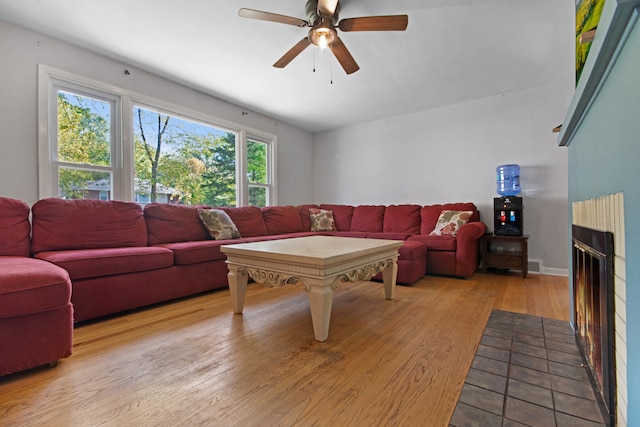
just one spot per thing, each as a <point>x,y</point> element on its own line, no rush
<point>527,371</point>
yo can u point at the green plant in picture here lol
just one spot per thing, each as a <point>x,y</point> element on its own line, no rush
<point>587,16</point>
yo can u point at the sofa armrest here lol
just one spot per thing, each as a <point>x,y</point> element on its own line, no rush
<point>471,231</point>
<point>468,245</point>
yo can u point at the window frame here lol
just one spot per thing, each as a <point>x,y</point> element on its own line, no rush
<point>50,80</point>
<point>49,172</point>
<point>270,179</point>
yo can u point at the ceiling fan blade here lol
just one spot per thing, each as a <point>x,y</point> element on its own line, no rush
<point>292,53</point>
<point>327,7</point>
<point>375,23</point>
<point>343,56</point>
<point>273,17</point>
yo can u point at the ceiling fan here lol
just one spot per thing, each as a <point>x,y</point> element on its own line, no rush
<point>323,19</point>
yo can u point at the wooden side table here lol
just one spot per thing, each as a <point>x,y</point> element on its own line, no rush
<point>492,257</point>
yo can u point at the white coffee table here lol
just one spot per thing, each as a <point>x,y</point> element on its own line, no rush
<point>319,263</point>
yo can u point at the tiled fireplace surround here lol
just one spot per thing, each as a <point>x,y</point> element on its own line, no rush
<point>527,369</point>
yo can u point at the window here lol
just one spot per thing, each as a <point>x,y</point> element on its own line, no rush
<point>257,171</point>
<point>178,160</point>
<point>106,143</point>
<point>84,145</point>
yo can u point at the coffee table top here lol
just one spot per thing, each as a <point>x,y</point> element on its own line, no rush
<point>312,249</point>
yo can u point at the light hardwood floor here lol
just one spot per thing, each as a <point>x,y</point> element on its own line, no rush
<point>193,362</point>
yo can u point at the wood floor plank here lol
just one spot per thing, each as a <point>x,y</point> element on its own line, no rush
<point>194,362</point>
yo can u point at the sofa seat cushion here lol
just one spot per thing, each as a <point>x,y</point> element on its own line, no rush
<point>14,228</point>
<point>359,234</point>
<point>186,253</point>
<point>412,250</point>
<point>286,236</point>
<point>168,223</point>
<point>436,243</point>
<point>389,236</point>
<point>86,224</point>
<point>29,285</point>
<point>85,263</point>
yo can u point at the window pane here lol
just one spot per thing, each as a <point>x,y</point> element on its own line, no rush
<point>84,130</point>
<point>83,184</point>
<point>256,162</point>
<point>257,196</point>
<point>183,161</point>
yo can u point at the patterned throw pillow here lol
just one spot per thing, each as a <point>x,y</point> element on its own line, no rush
<point>218,224</point>
<point>321,220</point>
<point>450,222</point>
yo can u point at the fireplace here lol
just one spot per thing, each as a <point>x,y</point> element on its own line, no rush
<point>593,317</point>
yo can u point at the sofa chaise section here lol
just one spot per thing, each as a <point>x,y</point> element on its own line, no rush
<point>36,315</point>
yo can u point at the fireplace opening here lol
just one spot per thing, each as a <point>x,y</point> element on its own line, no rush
<point>593,317</point>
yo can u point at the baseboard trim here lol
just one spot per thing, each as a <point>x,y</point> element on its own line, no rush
<point>563,272</point>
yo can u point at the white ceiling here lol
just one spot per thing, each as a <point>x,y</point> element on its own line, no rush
<point>452,51</point>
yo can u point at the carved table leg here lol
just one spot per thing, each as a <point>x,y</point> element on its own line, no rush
<point>237,278</point>
<point>389,275</point>
<point>320,302</point>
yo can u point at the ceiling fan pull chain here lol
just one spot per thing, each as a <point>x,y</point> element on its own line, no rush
<point>331,69</point>
<point>314,60</point>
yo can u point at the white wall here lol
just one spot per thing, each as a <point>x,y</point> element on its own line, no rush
<point>22,50</point>
<point>450,155</point>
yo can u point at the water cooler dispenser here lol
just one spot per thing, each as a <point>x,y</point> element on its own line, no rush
<point>507,210</point>
<point>507,216</point>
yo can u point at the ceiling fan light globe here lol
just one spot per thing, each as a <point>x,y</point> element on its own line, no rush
<point>322,36</point>
<point>322,42</point>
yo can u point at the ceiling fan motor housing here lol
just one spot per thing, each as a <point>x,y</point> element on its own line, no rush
<point>315,18</point>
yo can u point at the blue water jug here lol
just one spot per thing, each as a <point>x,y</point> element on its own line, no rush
<point>508,180</point>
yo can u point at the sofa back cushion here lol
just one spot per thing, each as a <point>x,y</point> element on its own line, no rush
<point>342,215</point>
<point>368,218</point>
<point>282,219</point>
<point>173,223</point>
<point>429,214</point>
<point>305,218</point>
<point>14,227</point>
<point>86,224</point>
<point>402,219</point>
<point>248,220</point>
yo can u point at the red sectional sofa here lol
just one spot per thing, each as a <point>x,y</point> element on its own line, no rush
<point>36,315</point>
<point>120,256</point>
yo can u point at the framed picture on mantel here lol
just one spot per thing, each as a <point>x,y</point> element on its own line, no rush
<point>616,25</point>
<point>587,16</point>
